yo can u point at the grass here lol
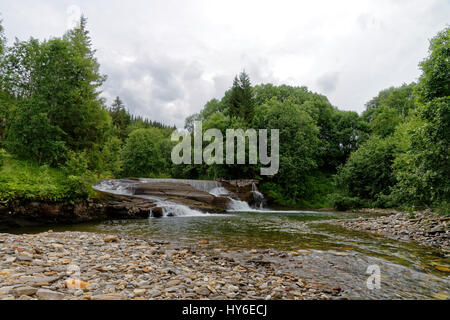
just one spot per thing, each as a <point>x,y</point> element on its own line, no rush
<point>24,180</point>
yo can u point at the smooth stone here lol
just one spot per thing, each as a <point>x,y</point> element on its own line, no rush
<point>173,283</point>
<point>108,297</point>
<point>154,293</point>
<point>24,291</point>
<point>45,294</point>
<point>6,290</point>
<point>139,292</point>
<point>204,291</point>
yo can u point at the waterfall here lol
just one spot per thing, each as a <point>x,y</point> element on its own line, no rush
<point>201,185</point>
<point>238,205</point>
<point>170,209</point>
<point>242,206</point>
<point>219,191</point>
<point>258,197</point>
<point>116,186</point>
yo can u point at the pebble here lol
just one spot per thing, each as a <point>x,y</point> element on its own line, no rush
<point>93,266</point>
<point>424,227</point>
<point>45,294</point>
<point>24,291</point>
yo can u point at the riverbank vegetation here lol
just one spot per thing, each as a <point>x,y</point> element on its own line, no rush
<point>58,136</point>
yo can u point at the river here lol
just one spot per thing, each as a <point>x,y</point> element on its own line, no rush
<point>316,249</point>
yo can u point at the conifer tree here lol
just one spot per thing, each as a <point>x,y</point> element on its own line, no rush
<point>241,99</point>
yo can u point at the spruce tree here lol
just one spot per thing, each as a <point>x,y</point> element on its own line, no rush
<point>120,118</point>
<point>241,99</point>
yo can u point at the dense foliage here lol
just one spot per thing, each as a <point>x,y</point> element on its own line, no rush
<point>57,136</point>
<point>315,138</point>
<point>54,123</point>
<point>414,121</point>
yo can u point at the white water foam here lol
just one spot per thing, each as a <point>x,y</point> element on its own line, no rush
<point>219,191</point>
<point>170,209</point>
<point>116,186</point>
<point>239,206</point>
<point>201,185</point>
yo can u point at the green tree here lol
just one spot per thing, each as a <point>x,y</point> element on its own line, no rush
<point>385,121</point>
<point>350,131</point>
<point>143,154</point>
<point>368,173</point>
<point>32,136</point>
<point>401,99</point>
<point>120,118</point>
<point>59,79</point>
<point>424,171</point>
<point>240,102</point>
<point>435,79</point>
<point>111,157</point>
<point>298,144</point>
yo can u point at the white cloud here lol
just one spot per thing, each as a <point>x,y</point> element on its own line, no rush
<point>166,59</point>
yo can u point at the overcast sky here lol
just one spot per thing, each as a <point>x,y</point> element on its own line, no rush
<point>167,58</point>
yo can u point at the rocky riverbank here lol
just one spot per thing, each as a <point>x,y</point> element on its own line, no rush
<point>91,266</point>
<point>124,199</point>
<point>425,227</point>
<point>22,213</point>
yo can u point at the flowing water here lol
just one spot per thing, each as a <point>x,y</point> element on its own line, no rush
<point>328,253</point>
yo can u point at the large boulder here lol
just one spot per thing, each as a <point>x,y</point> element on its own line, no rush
<point>241,189</point>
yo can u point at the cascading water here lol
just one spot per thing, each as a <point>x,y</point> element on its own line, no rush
<point>258,197</point>
<point>242,206</point>
<point>219,191</point>
<point>171,209</point>
<point>116,186</point>
<point>201,185</point>
<point>239,206</point>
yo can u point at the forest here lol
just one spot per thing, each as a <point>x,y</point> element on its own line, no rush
<point>58,136</point>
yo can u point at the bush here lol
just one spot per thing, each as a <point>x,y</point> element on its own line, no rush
<point>111,157</point>
<point>32,137</point>
<point>2,156</point>
<point>21,179</point>
<point>76,163</point>
<point>79,177</point>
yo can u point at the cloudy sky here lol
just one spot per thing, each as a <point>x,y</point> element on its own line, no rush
<point>167,58</point>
